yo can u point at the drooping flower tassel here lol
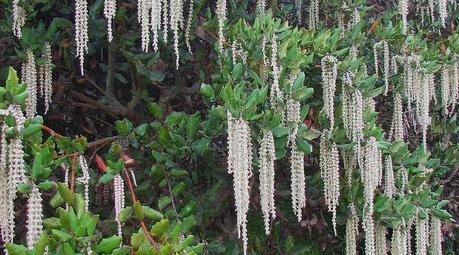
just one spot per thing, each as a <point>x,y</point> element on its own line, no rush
<point>403,8</point>
<point>46,76</point>
<point>81,31</point>
<point>267,157</point>
<point>176,14</point>
<point>329,75</point>
<point>85,179</point>
<point>109,13</point>
<point>188,25</point>
<point>422,235</point>
<point>30,78</point>
<point>118,186</point>
<point>435,236</point>
<point>240,166</point>
<point>352,231</point>
<point>19,16</point>
<point>34,217</point>
<point>221,14</point>
<point>397,130</point>
<point>329,171</point>
<point>143,12</point>
<point>389,182</point>
<point>380,240</point>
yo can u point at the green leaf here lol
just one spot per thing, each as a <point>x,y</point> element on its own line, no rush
<point>15,249</point>
<point>125,214</point>
<point>91,225</point>
<point>299,81</point>
<point>36,166</point>
<point>52,223</point>
<point>60,235</point>
<point>152,214</point>
<point>40,245</point>
<point>65,193</point>
<point>154,109</point>
<point>138,210</point>
<point>178,189</point>
<point>237,72</point>
<point>303,145</point>
<point>280,131</point>
<point>57,200</point>
<point>47,185</point>
<point>302,93</point>
<point>163,202</point>
<point>12,81</point>
<point>188,223</point>
<point>160,227</point>
<point>106,178</point>
<point>107,245</point>
<point>207,91</point>
<point>441,214</point>
<point>192,126</point>
<point>31,129</point>
<point>142,129</point>
<point>24,188</point>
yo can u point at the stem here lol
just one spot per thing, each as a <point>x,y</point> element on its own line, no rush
<point>134,199</point>
<point>72,176</point>
<point>51,132</point>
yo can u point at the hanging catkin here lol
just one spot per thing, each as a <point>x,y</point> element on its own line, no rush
<point>314,14</point>
<point>380,240</point>
<point>240,166</point>
<point>352,231</point>
<point>81,31</point>
<point>45,73</point>
<point>329,171</point>
<point>188,25</point>
<point>275,95</point>
<point>34,217</point>
<point>85,179</point>
<point>329,75</point>
<point>422,235</point>
<point>143,12</point>
<point>176,14</point>
<point>403,8</point>
<point>435,236</point>
<point>118,187</point>
<point>221,14</point>
<point>30,78</point>
<point>389,181</point>
<point>19,16</point>
<point>443,11</point>
<point>397,130</point>
<point>109,14</point>
<point>267,156</point>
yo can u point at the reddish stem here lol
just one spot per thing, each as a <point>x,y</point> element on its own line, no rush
<point>134,200</point>
<point>52,132</point>
<point>72,176</point>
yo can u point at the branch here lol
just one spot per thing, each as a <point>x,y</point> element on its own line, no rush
<point>134,200</point>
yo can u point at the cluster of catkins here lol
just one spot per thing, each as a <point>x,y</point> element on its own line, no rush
<point>38,82</point>
<point>425,6</point>
<point>12,174</point>
<point>118,187</point>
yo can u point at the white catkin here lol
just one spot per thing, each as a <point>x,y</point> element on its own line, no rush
<point>371,173</point>
<point>118,187</point>
<point>188,25</point>
<point>399,241</point>
<point>389,181</point>
<point>34,217</point>
<point>176,14</point>
<point>85,179</point>
<point>445,88</point>
<point>298,6</point>
<point>424,105</point>
<point>16,172</point>
<point>143,12</point>
<point>454,86</point>
<point>4,200</point>
<point>314,14</point>
<point>155,22</point>
<point>443,11</point>
<point>45,72</point>
<point>403,8</point>
<point>422,236</point>
<point>329,171</point>
<point>165,19</point>
<point>369,229</point>
<point>380,240</point>
<point>81,31</point>
<point>397,130</point>
<point>435,236</point>
<point>352,231</point>
<point>386,58</point>
<point>349,164</point>
<point>347,112</point>
<point>298,185</point>
<point>30,78</point>
<point>276,96</point>
<point>261,6</point>
<point>19,17</point>
<point>267,156</point>
<point>329,75</point>
<point>357,122</point>
<point>221,14</point>
<point>109,14</point>
<point>240,166</point>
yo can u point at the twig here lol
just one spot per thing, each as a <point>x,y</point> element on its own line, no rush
<point>134,200</point>
<point>101,142</point>
<point>72,176</point>
<point>51,132</point>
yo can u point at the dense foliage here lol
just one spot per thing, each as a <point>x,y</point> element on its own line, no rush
<point>229,127</point>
